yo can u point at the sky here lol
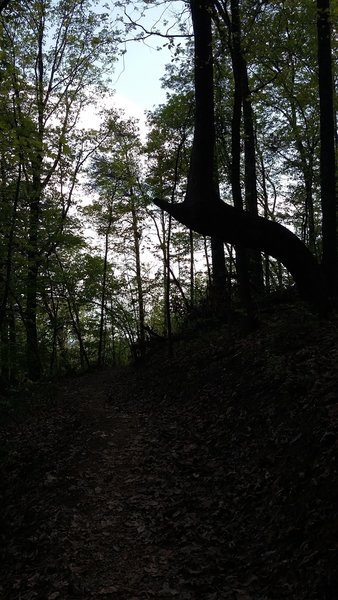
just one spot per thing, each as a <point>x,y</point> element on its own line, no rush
<point>137,75</point>
<point>136,80</point>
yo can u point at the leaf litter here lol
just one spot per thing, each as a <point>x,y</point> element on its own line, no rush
<point>210,476</point>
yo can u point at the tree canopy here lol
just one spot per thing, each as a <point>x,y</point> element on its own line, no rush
<point>240,160</point>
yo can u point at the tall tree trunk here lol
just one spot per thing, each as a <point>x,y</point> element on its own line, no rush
<point>202,209</point>
<point>242,264</point>
<point>192,269</point>
<point>137,237</point>
<point>4,354</point>
<point>113,336</point>
<point>167,268</point>
<point>8,348</point>
<point>75,318</point>
<point>327,145</point>
<point>32,347</point>
<point>203,160</point>
<point>207,260</point>
<point>10,246</point>
<point>74,315</point>
<point>306,155</point>
<point>219,288</point>
<point>104,282</point>
<point>201,180</point>
<point>253,258</point>
<point>164,242</point>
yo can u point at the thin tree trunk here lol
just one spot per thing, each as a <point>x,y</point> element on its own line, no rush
<point>8,348</point>
<point>113,340</point>
<point>164,242</point>
<point>32,348</point>
<point>104,282</point>
<point>306,168</point>
<point>136,238</point>
<point>192,269</point>
<point>219,292</point>
<point>327,144</point>
<point>253,258</point>
<point>207,261</point>
<point>52,312</point>
<point>10,248</point>
<point>242,264</point>
<point>74,315</point>
<point>167,307</point>
<point>266,260</point>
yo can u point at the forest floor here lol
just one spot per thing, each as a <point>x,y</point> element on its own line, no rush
<point>208,476</point>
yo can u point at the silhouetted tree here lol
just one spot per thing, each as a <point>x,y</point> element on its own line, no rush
<point>202,209</point>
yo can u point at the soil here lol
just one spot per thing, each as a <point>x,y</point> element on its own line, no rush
<point>210,475</point>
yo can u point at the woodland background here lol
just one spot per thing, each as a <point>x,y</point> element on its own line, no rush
<point>205,250</point>
<point>90,269</point>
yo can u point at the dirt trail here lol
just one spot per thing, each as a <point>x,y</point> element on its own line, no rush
<point>182,481</point>
<point>75,526</point>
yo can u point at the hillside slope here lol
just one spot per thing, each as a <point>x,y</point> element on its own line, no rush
<point>209,476</point>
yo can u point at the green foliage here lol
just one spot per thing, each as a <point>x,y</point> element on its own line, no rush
<point>86,262</point>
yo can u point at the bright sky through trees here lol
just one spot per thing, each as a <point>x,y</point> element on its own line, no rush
<point>138,73</point>
<point>136,80</point>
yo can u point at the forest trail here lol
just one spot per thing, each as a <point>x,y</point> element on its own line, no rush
<point>80,523</point>
<point>208,477</point>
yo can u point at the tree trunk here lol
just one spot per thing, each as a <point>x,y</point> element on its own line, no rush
<point>10,246</point>
<point>327,145</point>
<point>136,236</point>
<point>204,212</point>
<point>166,265</point>
<point>207,260</point>
<point>231,225</point>
<point>8,366</point>
<point>242,264</point>
<point>74,315</point>
<point>32,347</point>
<point>192,269</point>
<point>219,294</point>
<point>240,70</point>
<point>103,292</point>
<point>203,177</point>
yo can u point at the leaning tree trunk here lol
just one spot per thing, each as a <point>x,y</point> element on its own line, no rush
<point>204,212</point>
<point>327,145</point>
<point>236,227</point>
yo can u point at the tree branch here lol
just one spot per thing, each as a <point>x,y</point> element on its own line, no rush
<point>231,225</point>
